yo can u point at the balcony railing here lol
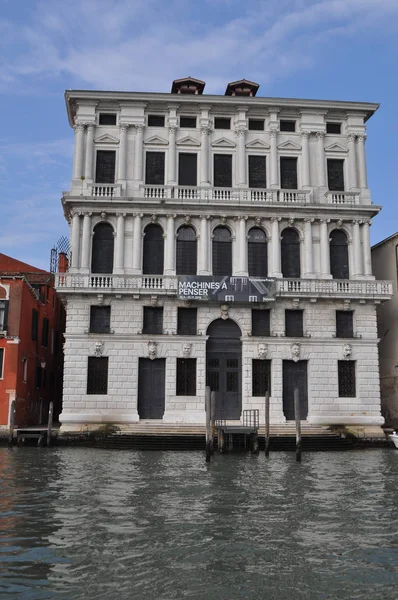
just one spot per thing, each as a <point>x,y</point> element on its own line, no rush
<point>226,195</point>
<point>333,287</point>
<point>104,190</point>
<point>343,197</point>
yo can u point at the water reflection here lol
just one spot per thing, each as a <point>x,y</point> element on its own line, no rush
<point>83,523</point>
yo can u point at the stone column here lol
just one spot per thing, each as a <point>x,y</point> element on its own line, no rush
<point>75,241</point>
<point>275,248</point>
<point>321,160</point>
<point>308,249</point>
<point>305,159</point>
<point>352,168</point>
<point>79,151</point>
<point>274,181</point>
<point>367,256</point>
<point>171,159</point>
<point>241,156</point>
<point>203,246</point>
<point>122,152</point>
<point>137,243</point>
<point>139,150</point>
<point>361,156</point>
<point>89,152</point>
<point>325,253</point>
<point>86,243</point>
<point>241,250</point>
<point>170,268</point>
<point>356,242</point>
<point>204,158</point>
<point>119,255</point>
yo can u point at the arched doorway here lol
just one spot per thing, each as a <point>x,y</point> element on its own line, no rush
<point>290,253</point>
<point>102,254</point>
<point>224,367</point>
<point>339,255</point>
<point>153,250</point>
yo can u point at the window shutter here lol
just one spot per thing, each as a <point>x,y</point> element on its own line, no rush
<point>257,171</point>
<point>187,169</point>
<point>44,333</point>
<point>222,170</point>
<point>288,173</point>
<point>335,174</point>
<point>154,168</point>
<point>105,169</point>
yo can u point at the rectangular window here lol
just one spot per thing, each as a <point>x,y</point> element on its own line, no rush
<point>38,377</point>
<point>100,319</point>
<point>260,322</point>
<point>154,168</point>
<point>187,321</point>
<point>3,315</point>
<point>107,119</point>
<point>189,122</point>
<point>288,173</point>
<point>153,320</point>
<point>155,120</point>
<point>261,377</point>
<point>187,168</point>
<point>222,123</point>
<point>346,372</point>
<point>186,377</point>
<point>35,324</point>
<point>44,333</point>
<point>97,375</point>
<point>222,170</point>
<point>335,174</point>
<point>257,171</point>
<point>344,324</point>
<point>105,166</point>
<point>256,124</point>
<point>1,362</point>
<point>293,323</point>
<point>287,126</point>
<point>333,128</point>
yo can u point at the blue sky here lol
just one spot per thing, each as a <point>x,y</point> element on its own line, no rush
<point>330,49</point>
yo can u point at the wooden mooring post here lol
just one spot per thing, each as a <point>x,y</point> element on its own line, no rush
<point>266,446</point>
<point>298,424</point>
<point>213,420</point>
<point>12,423</point>
<point>208,423</point>
<point>50,423</point>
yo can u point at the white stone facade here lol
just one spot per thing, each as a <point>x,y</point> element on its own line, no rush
<point>129,205</point>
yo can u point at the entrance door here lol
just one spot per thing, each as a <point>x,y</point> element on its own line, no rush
<point>224,368</point>
<point>295,376</point>
<point>151,378</point>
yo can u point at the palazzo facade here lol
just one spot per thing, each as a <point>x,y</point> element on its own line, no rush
<point>222,241</point>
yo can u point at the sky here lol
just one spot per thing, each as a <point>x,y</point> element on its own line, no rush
<point>322,49</point>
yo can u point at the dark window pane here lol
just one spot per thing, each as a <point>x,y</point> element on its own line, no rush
<point>333,128</point>
<point>257,253</point>
<point>335,174</point>
<point>153,320</point>
<point>344,324</point>
<point>222,170</point>
<point>186,376</point>
<point>107,119</point>
<point>288,173</point>
<point>187,169</point>
<point>188,122</point>
<point>97,375</point>
<point>222,251</point>
<point>3,315</point>
<point>186,259</point>
<point>290,253</point>
<point>39,374</point>
<point>44,333</point>
<point>103,242</point>
<point>232,381</point>
<point>153,259</point>
<point>154,168</point>
<point>35,324</point>
<point>293,323</point>
<point>213,380</point>
<point>100,319</point>
<point>105,169</point>
<point>187,321</point>
<point>1,362</point>
<point>256,124</point>
<point>155,120</point>
<point>257,171</point>
<point>339,255</point>
<point>287,125</point>
<point>222,123</point>
<point>260,322</point>
<point>261,377</point>
<point>346,371</point>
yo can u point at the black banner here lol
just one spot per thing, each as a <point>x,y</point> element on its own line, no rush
<point>226,289</point>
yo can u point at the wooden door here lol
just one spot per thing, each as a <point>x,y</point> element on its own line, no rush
<point>151,388</point>
<point>295,375</point>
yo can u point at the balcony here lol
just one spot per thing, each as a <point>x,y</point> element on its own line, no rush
<point>343,198</point>
<point>104,190</point>
<point>219,195</point>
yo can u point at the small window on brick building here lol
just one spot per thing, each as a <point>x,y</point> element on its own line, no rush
<point>44,333</point>
<point>3,315</point>
<point>35,324</point>
<point>25,370</point>
<point>344,324</point>
<point>261,377</point>
<point>222,123</point>
<point>107,119</point>
<point>100,319</point>
<point>189,122</point>
<point>287,125</point>
<point>256,124</point>
<point>97,375</point>
<point>187,321</point>
<point>105,166</point>
<point>153,320</point>
<point>293,323</point>
<point>333,128</point>
<point>1,362</point>
<point>186,377</point>
<point>260,322</point>
<point>346,374</point>
<point>155,120</point>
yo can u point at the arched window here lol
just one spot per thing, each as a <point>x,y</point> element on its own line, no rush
<point>257,253</point>
<point>339,255</point>
<point>222,251</point>
<point>290,254</point>
<point>153,259</point>
<point>186,251</point>
<point>103,242</point>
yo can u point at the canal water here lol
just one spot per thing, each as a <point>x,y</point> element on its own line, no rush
<point>88,523</point>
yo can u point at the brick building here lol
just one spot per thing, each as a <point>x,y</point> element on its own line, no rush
<point>219,239</point>
<point>32,321</point>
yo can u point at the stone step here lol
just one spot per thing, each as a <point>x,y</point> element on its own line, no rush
<point>165,429</point>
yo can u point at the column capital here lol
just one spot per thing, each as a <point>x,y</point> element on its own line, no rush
<point>309,220</point>
<point>205,130</point>
<point>87,214</point>
<point>355,221</point>
<point>362,138</point>
<point>273,132</point>
<point>276,219</point>
<point>206,217</point>
<point>79,127</point>
<point>240,131</point>
<point>139,127</point>
<point>120,214</point>
<point>241,218</point>
<point>90,126</point>
<point>305,133</point>
<point>171,215</point>
<point>320,135</point>
<point>351,137</point>
<point>172,127</point>
<point>140,215</point>
<point>124,126</point>
<point>324,220</point>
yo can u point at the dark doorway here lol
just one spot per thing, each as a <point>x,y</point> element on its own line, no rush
<point>151,380</point>
<point>290,253</point>
<point>153,250</point>
<point>224,367</point>
<point>339,255</point>
<point>102,255</point>
<point>295,376</point>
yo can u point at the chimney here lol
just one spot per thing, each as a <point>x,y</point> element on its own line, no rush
<point>63,263</point>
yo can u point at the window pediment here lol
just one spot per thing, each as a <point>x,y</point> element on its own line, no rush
<point>289,145</point>
<point>223,143</point>
<point>106,139</point>
<point>258,144</point>
<point>336,148</point>
<point>187,141</point>
<point>156,140</point>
